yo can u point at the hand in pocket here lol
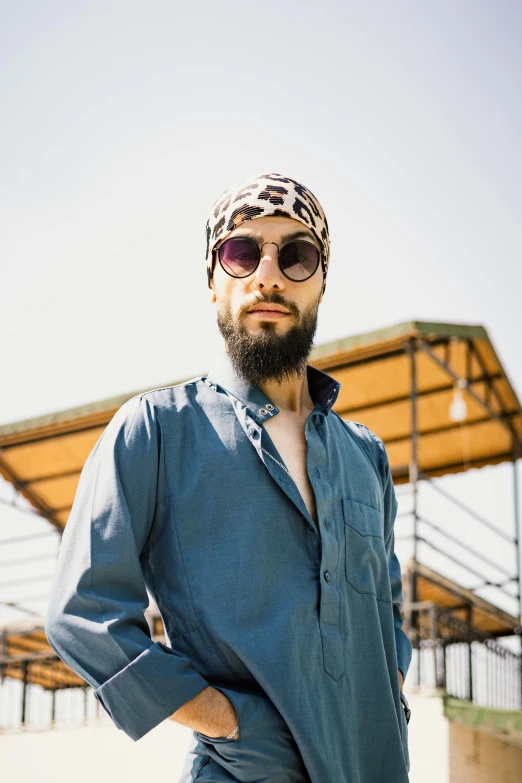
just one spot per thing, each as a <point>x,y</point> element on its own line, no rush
<point>220,716</point>
<point>228,718</point>
<point>265,749</point>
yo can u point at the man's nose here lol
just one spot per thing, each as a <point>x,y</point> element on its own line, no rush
<point>268,274</point>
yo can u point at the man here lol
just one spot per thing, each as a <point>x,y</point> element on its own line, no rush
<point>262,524</point>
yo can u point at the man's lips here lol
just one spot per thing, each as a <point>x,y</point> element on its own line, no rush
<point>268,308</point>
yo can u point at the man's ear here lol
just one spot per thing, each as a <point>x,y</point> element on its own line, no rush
<point>211,286</point>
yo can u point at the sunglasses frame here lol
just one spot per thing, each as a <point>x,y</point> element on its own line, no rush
<point>259,247</point>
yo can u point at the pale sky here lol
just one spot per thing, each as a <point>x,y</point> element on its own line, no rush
<point>123,121</point>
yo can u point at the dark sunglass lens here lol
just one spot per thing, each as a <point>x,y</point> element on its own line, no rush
<point>239,257</point>
<point>299,259</point>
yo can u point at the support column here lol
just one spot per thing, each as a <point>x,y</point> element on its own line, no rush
<point>3,652</point>
<point>469,617</point>
<point>414,459</point>
<point>25,671</point>
<point>413,619</point>
<point>516,514</point>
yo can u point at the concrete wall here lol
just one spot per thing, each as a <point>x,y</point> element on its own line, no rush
<point>477,757</point>
<point>444,751</point>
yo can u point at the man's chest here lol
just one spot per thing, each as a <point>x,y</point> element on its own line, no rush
<point>287,433</point>
<point>221,478</point>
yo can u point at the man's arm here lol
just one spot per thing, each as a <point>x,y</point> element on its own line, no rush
<point>403,644</point>
<point>95,620</point>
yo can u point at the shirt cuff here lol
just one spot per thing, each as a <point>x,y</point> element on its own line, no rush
<point>404,650</point>
<point>149,689</point>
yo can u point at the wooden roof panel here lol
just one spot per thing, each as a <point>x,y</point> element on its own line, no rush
<point>53,456</point>
<point>62,516</point>
<point>57,493</point>
<point>463,444</point>
<point>364,385</point>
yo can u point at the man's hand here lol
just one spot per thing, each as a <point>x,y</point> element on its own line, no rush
<point>210,712</point>
<point>401,679</point>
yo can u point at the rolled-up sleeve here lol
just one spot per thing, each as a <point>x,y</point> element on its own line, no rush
<point>95,620</point>
<point>402,642</point>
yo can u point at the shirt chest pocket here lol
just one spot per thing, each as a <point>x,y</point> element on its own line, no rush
<point>366,563</point>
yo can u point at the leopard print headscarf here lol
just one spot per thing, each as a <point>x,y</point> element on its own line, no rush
<point>266,194</point>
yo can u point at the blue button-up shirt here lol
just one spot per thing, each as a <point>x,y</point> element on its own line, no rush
<point>186,495</point>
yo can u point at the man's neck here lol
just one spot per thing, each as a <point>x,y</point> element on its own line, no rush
<point>291,395</point>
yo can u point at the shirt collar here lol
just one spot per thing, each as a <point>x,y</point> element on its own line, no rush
<point>323,388</point>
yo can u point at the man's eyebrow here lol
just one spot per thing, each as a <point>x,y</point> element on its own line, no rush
<point>297,235</point>
<point>302,234</point>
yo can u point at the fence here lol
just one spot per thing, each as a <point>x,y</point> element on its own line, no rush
<point>451,655</point>
<point>40,691</point>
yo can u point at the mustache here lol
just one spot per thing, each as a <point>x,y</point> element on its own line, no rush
<point>274,298</point>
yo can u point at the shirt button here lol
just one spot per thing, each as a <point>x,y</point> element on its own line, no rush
<point>311,527</point>
<point>327,576</point>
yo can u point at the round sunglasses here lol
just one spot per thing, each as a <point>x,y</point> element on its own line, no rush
<point>298,259</point>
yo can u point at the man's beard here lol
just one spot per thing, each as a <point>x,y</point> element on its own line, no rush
<point>267,355</point>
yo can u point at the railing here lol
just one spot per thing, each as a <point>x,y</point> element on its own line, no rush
<point>38,691</point>
<point>449,654</point>
<point>440,530</point>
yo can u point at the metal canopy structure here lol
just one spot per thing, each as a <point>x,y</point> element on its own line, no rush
<point>382,374</point>
<point>402,382</point>
<point>25,654</point>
